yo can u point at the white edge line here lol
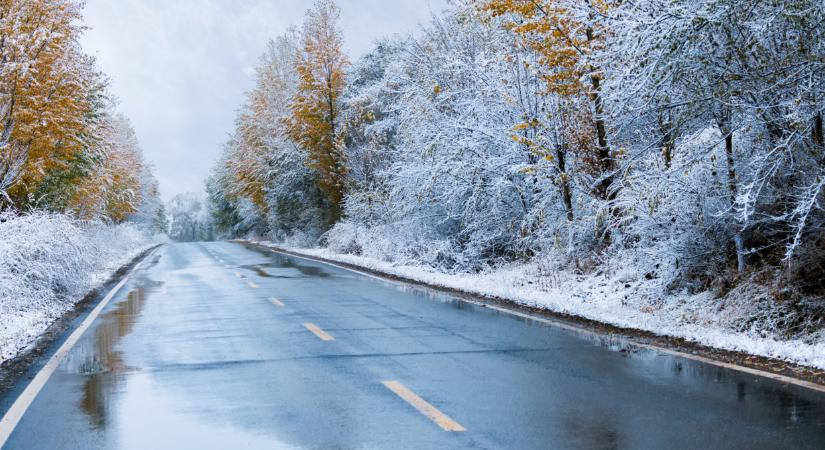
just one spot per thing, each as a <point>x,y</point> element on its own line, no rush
<point>663,350</point>
<point>15,413</point>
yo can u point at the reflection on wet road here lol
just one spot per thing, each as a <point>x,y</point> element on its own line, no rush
<point>290,353</point>
<point>103,365</point>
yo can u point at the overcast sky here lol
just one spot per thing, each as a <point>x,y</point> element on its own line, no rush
<point>180,67</point>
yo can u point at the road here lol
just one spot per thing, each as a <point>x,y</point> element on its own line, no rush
<point>224,346</point>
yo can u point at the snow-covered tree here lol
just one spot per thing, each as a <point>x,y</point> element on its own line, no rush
<point>447,151</point>
<point>314,124</point>
<point>745,72</point>
<point>189,219</point>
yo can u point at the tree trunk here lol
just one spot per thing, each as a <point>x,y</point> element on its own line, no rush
<point>564,179</point>
<point>668,140</point>
<point>740,252</point>
<point>817,132</point>
<point>667,153</point>
<point>603,152</point>
<point>567,196</point>
<point>732,188</point>
<point>738,240</point>
<point>336,197</point>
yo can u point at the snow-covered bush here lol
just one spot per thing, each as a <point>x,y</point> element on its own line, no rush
<point>676,223</point>
<point>300,239</point>
<point>44,258</point>
<point>391,243</point>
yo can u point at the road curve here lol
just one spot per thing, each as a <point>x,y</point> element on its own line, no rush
<point>224,346</point>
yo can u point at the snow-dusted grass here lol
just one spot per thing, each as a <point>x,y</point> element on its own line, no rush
<point>48,262</point>
<point>620,297</point>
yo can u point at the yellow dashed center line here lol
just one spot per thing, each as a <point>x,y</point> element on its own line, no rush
<point>318,332</point>
<point>253,285</point>
<point>277,302</point>
<point>441,419</point>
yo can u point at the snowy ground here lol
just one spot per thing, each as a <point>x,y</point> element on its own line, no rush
<point>50,262</point>
<point>619,299</point>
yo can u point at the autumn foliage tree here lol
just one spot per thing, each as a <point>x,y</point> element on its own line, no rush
<point>564,34</point>
<point>262,183</point>
<point>62,145</point>
<point>315,124</point>
<point>114,188</point>
<point>42,101</point>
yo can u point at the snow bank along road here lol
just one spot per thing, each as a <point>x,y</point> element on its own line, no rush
<point>218,345</point>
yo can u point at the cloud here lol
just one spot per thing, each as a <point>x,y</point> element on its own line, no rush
<point>180,68</point>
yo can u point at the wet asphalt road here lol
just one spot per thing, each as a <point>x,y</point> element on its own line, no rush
<point>216,345</point>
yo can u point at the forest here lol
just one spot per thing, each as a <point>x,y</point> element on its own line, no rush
<point>682,139</point>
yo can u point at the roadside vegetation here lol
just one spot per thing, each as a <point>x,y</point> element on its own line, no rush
<point>77,198</point>
<point>672,150</point>
<point>50,261</point>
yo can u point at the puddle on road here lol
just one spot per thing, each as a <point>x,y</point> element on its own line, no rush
<point>103,371</point>
<point>308,271</point>
<point>283,262</point>
<point>114,393</point>
<point>99,361</point>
